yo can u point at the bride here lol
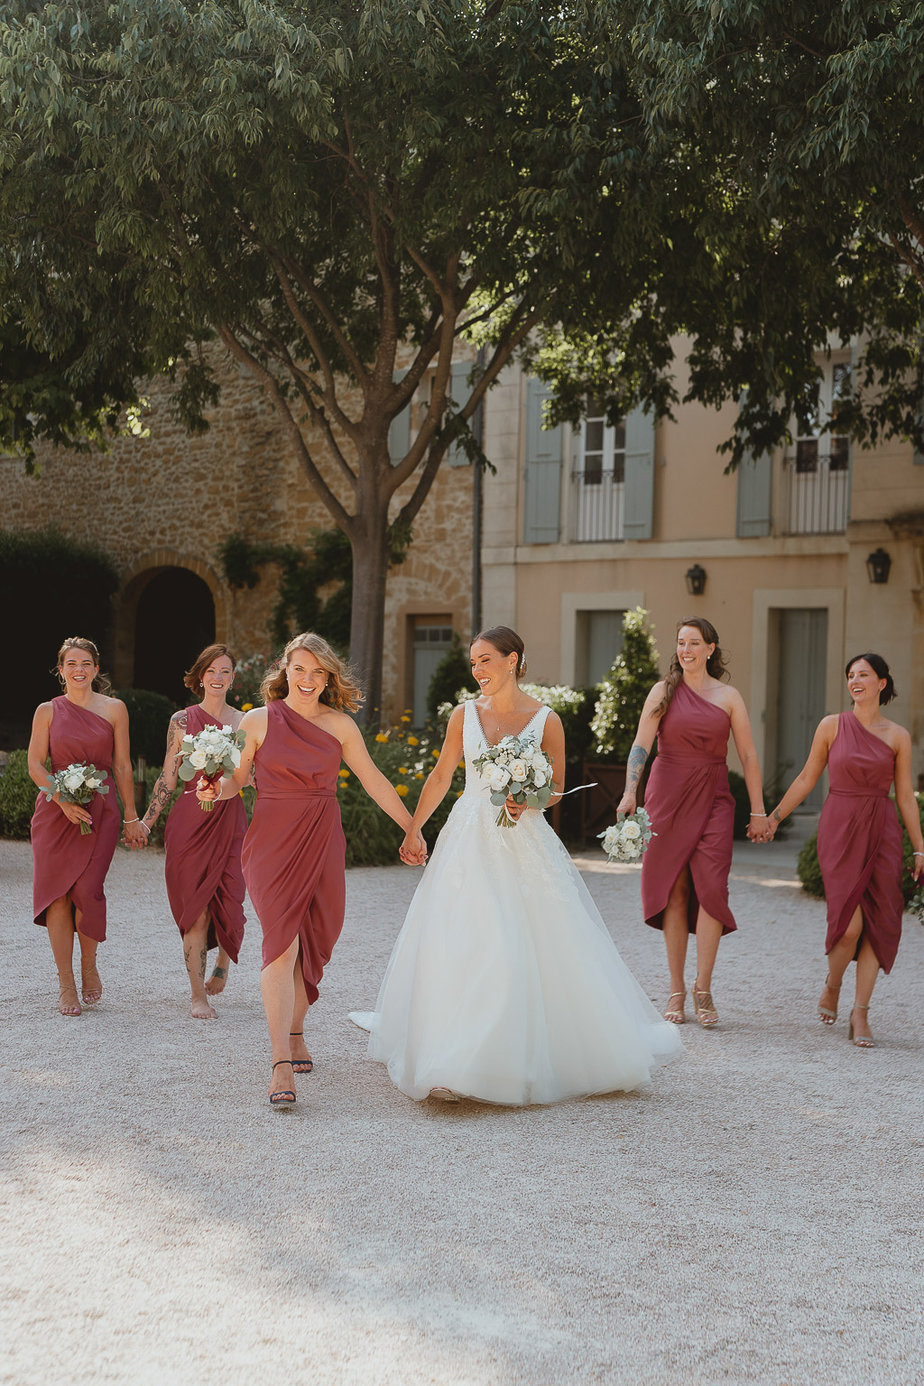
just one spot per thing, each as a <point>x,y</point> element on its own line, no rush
<point>504,984</point>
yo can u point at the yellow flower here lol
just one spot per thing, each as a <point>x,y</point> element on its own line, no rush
<point>459,793</point>
<point>461,765</point>
<point>402,790</point>
<point>402,769</point>
<point>412,741</point>
<point>435,755</point>
<point>381,736</point>
<point>245,707</point>
<point>419,775</point>
<point>344,774</point>
<point>405,718</point>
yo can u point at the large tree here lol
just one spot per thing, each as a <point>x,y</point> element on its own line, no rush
<point>339,192</point>
<point>784,144</point>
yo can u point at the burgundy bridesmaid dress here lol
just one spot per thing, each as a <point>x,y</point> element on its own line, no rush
<point>203,864</point>
<point>294,850</point>
<point>860,840</point>
<point>65,861</point>
<point>691,810</point>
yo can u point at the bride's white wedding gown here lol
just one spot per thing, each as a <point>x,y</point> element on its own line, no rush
<point>504,984</point>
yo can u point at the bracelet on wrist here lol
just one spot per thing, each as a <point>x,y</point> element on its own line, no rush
<point>917,854</point>
<point>126,821</point>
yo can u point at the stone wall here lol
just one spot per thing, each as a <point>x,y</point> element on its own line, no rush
<point>168,500</point>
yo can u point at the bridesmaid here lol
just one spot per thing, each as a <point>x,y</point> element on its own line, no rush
<point>685,868</point>
<point>859,839</point>
<point>69,868</point>
<point>205,884</point>
<point>294,848</point>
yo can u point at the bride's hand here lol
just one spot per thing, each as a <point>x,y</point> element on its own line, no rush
<point>413,850</point>
<point>513,808</point>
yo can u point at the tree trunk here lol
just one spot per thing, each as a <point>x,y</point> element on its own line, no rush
<point>367,616</point>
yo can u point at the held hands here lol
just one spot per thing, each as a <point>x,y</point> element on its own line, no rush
<point>761,828</point>
<point>413,850</point>
<point>135,835</point>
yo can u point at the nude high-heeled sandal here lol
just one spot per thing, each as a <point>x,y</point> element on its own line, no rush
<point>861,1041</point>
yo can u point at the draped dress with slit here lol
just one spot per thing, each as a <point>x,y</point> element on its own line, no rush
<point>64,860</point>
<point>294,850</point>
<point>860,840</point>
<point>691,810</point>
<point>202,869</point>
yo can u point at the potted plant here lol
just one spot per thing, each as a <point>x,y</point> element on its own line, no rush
<point>620,699</point>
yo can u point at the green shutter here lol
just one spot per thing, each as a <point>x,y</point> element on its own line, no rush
<point>542,500</point>
<point>755,481</point>
<point>399,432</point>
<point>638,496</point>
<point>458,391</point>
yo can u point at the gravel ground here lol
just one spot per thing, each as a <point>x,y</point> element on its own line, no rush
<point>755,1217</point>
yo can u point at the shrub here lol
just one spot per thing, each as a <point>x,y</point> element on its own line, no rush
<point>17,796</point>
<point>453,672</point>
<point>406,758</point>
<point>249,674</point>
<point>809,871</point>
<point>623,692</point>
<point>148,716</point>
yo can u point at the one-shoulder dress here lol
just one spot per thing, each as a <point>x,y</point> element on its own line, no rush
<point>692,811</point>
<point>504,984</point>
<point>202,869</point>
<point>860,840</point>
<point>294,850</point>
<point>64,860</point>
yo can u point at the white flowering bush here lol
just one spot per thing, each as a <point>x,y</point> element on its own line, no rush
<point>627,839</point>
<point>211,753</point>
<point>77,784</point>
<point>516,768</point>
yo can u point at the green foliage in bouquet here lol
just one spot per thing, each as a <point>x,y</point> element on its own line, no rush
<point>17,796</point>
<point>623,692</point>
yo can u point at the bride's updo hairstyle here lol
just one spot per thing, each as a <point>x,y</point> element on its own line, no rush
<point>715,664</point>
<point>506,642</point>
<point>193,676</point>
<point>101,683</point>
<point>881,670</point>
<point>342,692</point>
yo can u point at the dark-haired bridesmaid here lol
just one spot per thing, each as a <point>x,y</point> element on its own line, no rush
<point>685,868</point>
<point>859,838</point>
<point>294,849</point>
<point>205,883</point>
<point>82,726</point>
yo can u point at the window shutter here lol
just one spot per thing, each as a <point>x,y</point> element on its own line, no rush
<point>638,497</point>
<point>542,500</point>
<point>399,432</point>
<point>755,480</point>
<point>458,388</point>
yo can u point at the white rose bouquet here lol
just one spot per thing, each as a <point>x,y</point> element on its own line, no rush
<point>627,839</point>
<point>211,753</point>
<point>77,784</point>
<point>516,768</point>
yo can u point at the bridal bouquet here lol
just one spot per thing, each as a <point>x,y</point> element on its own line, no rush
<point>627,839</point>
<point>516,768</point>
<point>211,753</point>
<point>76,785</point>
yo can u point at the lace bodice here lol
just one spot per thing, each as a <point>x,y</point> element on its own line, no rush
<point>475,743</point>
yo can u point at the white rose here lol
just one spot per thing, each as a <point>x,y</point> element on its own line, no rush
<point>518,770</point>
<point>498,778</point>
<point>539,776</point>
<point>235,756</point>
<point>631,831</point>
<point>74,780</point>
<point>197,759</point>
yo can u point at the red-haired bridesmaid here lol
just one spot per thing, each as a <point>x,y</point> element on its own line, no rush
<point>685,869</point>
<point>859,839</point>
<point>82,726</point>
<point>205,883</point>
<point>294,848</point>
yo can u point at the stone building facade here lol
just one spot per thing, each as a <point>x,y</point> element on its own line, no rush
<point>162,504</point>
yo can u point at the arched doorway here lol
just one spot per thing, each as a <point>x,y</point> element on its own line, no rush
<point>174,619</point>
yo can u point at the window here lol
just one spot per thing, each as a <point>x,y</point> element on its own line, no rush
<point>599,641</point>
<point>818,469</point>
<point>599,477</point>
<point>431,640</point>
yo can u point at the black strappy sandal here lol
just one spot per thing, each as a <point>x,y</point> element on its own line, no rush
<point>287,1096</point>
<point>301,1065</point>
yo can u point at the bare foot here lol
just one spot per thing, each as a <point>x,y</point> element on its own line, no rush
<point>216,983</point>
<point>302,1061</point>
<point>91,986</point>
<point>67,1001</point>
<point>200,1009</point>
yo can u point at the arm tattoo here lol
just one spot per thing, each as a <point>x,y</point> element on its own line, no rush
<point>160,798</point>
<point>635,765</point>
